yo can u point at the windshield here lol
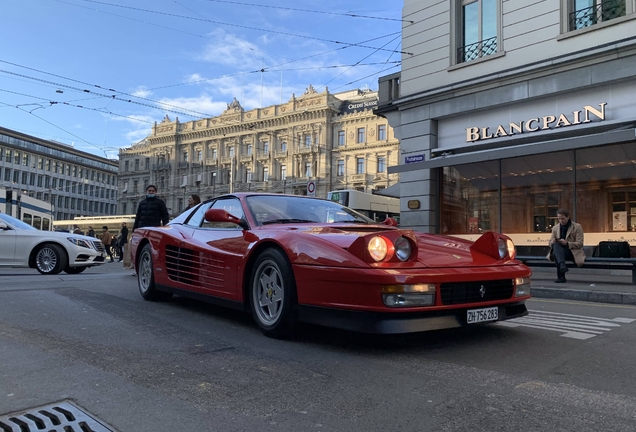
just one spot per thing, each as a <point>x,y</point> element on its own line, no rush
<point>15,223</point>
<point>273,209</point>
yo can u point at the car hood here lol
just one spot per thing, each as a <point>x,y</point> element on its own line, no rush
<point>433,250</point>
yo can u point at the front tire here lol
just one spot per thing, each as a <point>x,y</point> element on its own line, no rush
<point>146,277</point>
<point>273,295</point>
<point>75,270</point>
<point>50,259</point>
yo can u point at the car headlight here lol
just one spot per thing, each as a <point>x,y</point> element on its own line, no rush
<point>522,287</point>
<point>80,242</point>
<point>503,249</point>
<point>402,248</point>
<point>378,248</point>
<point>511,248</point>
<point>408,295</point>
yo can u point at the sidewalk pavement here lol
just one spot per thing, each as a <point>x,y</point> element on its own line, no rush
<point>601,286</point>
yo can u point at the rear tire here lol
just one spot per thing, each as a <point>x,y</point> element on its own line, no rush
<point>146,277</point>
<point>273,295</point>
<point>75,270</point>
<point>50,259</point>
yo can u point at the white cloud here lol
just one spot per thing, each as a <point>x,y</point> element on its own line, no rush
<point>204,104</point>
<point>142,91</point>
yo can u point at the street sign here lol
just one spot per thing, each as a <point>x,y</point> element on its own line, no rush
<point>415,158</point>
<point>311,188</point>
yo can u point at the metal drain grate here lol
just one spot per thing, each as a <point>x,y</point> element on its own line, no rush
<point>57,417</point>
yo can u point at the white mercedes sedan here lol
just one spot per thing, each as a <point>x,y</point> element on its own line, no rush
<point>49,252</point>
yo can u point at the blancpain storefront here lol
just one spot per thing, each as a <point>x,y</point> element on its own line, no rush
<point>509,168</point>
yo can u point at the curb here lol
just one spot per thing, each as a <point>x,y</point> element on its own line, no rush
<point>585,295</point>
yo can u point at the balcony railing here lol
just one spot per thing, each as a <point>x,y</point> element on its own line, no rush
<point>183,165</point>
<point>280,153</point>
<point>604,11</point>
<point>161,166</point>
<point>262,155</point>
<point>245,158</point>
<point>306,149</point>
<point>477,50</point>
<point>226,159</point>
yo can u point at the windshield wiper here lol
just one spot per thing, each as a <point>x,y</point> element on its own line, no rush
<point>282,221</point>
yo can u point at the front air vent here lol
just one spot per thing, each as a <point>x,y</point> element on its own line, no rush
<point>476,292</point>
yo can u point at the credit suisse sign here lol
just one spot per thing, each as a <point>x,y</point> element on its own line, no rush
<point>354,106</point>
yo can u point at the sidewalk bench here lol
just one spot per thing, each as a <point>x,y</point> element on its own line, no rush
<point>591,262</point>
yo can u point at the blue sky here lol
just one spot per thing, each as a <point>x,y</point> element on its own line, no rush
<point>98,74</point>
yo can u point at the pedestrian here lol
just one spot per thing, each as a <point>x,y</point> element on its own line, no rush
<point>566,244</point>
<point>77,230</point>
<point>107,239</point>
<point>123,246</point>
<point>151,211</point>
<point>193,201</point>
<point>91,232</point>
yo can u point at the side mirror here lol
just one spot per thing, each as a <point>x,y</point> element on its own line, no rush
<point>219,215</point>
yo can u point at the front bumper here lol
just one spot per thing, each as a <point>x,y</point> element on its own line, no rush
<point>394,323</point>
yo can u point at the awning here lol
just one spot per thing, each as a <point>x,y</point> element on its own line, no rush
<point>576,142</point>
<point>391,191</point>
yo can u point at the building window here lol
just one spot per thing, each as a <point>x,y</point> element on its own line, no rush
<point>361,134</point>
<point>283,172</point>
<point>265,147</point>
<point>147,164</point>
<point>360,165</point>
<point>340,171</point>
<point>341,138</point>
<point>184,156</point>
<point>126,166</point>
<point>248,175</point>
<point>584,13</point>
<point>8,156</point>
<point>283,146</point>
<point>214,156</point>
<point>7,174</point>
<point>381,132</point>
<point>307,140</point>
<point>25,160</point>
<point>249,149</point>
<point>307,169</point>
<point>136,164</point>
<point>199,155</point>
<point>213,179</point>
<point>16,159</point>
<point>231,152</point>
<point>477,35</point>
<point>25,177</point>
<point>381,164</point>
<point>265,174</point>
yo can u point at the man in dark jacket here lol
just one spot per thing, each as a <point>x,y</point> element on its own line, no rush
<point>151,211</point>
<point>123,244</point>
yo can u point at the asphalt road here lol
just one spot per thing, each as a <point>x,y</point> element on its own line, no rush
<point>188,366</point>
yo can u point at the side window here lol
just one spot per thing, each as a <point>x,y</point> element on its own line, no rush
<point>197,218</point>
<point>230,205</point>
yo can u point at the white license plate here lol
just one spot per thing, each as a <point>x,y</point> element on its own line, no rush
<point>482,315</point>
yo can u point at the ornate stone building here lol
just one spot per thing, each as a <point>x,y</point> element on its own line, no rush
<point>332,140</point>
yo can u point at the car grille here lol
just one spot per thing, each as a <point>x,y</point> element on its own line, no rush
<point>476,292</point>
<point>99,246</point>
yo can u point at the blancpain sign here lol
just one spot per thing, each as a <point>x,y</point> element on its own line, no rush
<point>538,123</point>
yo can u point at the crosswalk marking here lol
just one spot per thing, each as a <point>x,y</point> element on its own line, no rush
<point>572,326</point>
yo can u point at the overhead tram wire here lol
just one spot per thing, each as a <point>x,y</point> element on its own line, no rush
<point>51,103</point>
<point>364,77</point>
<point>311,11</point>
<point>242,26</point>
<point>60,128</point>
<point>109,96</point>
<point>364,58</point>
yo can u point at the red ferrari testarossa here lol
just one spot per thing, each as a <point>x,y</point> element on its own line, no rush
<point>288,258</point>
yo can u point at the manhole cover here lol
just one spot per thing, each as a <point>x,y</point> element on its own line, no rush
<point>57,417</point>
